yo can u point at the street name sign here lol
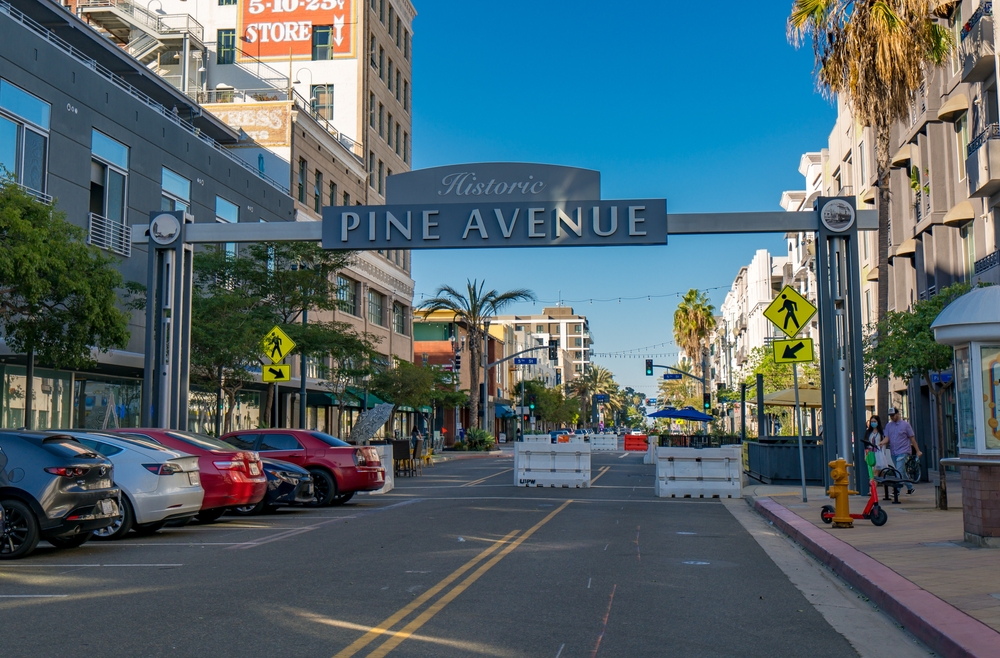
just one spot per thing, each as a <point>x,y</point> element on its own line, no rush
<point>525,361</point>
<point>280,372</point>
<point>790,311</point>
<point>601,397</point>
<point>672,375</point>
<point>794,351</point>
<point>277,345</point>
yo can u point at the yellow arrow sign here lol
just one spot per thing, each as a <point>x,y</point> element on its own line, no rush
<point>790,311</point>
<point>793,351</point>
<point>277,345</point>
<point>276,373</point>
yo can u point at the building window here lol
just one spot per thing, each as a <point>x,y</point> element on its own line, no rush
<point>862,168</point>
<point>312,367</point>
<point>108,177</point>
<point>371,51</point>
<point>322,42</point>
<point>226,3</point>
<point>381,120</point>
<point>392,72</point>
<point>226,45</point>
<point>968,246</point>
<point>398,145</point>
<point>333,193</point>
<point>381,177</point>
<point>24,137</point>
<point>406,44</point>
<point>406,148</point>
<point>302,180</point>
<point>227,212</point>
<point>381,63</point>
<point>318,191</point>
<point>322,101</point>
<point>371,110</point>
<point>962,140</point>
<point>399,29</point>
<point>406,95</point>
<point>347,295</point>
<point>381,10</point>
<point>371,169</point>
<point>392,14</point>
<point>375,314</point>
<point>399,318</point>
<point>388,135</point>
<point>399,95</point>
<point>956,38</point>
<point>347,198</point>
<point>176,191</point>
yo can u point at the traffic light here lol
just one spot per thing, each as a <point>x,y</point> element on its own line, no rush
<point>649,367</point>
<point>531,401</point>
<point>553,349</point>
<point>525,417</point>
<point>708,402</point>
<point>458,362</point>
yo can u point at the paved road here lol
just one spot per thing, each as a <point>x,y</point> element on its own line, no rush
<point>457,562</point>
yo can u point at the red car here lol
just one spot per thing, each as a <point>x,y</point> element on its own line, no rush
<point>231,477</point>
<point>338,469</point>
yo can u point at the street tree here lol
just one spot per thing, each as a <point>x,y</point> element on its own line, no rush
<point>875,54</point>
<point>475,307</point>
<point>776,377</point>
<point>60,299</point>
<point>404,384</point>
<point>694,320</point>
<point>597,380</point>
<point>350,357</point>
<point>905,347</point>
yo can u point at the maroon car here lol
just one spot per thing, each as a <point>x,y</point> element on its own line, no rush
<point>338,469</point>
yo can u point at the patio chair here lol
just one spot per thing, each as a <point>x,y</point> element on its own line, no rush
<point>400,456</point>
<point>416,464</point>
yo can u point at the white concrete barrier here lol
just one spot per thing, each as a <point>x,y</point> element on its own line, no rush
<point>604,442</point>
<point>554,465</point>
<point>385,455</point>
<point>699,472</point>
<point>537,438</point>
<point>650,456</point>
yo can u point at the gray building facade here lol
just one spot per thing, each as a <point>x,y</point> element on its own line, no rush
<point>87,128</point>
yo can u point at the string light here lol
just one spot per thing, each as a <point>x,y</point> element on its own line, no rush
<point>591,300</point>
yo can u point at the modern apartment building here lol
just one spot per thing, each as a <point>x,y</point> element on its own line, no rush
<point>86,127</point>
<point>562,324</point>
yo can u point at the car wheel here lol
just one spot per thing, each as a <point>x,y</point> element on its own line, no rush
<point>19,533</point>
<point>145,529</point>
<point>120,527</point>
<point>73,541</point>
<point>210,515</point>
<point>324,488</point>
<point>340,499</point>
<point>249,510</point>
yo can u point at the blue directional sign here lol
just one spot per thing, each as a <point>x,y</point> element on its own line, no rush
<point>672,375</point>
<point>526,361</point>
<point>601,397</point>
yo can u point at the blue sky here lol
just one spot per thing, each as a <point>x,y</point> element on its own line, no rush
<point>709,109</point>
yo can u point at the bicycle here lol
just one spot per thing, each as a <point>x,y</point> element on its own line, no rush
<point>911,468</point>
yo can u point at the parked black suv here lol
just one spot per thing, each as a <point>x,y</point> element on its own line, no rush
<point>52,487</point>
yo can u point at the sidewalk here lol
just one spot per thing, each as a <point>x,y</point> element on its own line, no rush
<point>916,567</point>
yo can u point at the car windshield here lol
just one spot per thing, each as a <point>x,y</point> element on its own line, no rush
<point>202,441</point>
<point>134,439</point>
<point>330,440</point>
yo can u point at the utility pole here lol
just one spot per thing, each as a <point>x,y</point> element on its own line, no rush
<point>302,376</point>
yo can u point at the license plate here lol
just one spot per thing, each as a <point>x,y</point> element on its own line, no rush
<point>107,507</point>
<point>100,484</point>
<point>194,478</point>
<point>254,469</point>
<point>309,490</point>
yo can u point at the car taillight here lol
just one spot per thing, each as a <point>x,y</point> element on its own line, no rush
<point>231,465</point>
<point>67,472</point>
<point>163,469</point>
<point>363,457</point>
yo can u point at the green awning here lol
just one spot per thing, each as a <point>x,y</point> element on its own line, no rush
<point>372,399</point>
<point>317,399</point>
<point>425,410</point>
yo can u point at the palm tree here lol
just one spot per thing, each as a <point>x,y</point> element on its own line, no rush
<point>694,320</point>
<point>595,381</point>
<point>475,307</point>
<point>875,53</point>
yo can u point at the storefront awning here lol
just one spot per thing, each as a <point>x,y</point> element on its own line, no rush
<point>902,156</point>
<point>503,411</point>
<point>908,248</point>
<point>960,214</point>
<point>954,108</point>
<point>872,274</point>
<point>370,398</point>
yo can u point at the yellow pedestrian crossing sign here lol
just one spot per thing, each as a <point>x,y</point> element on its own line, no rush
<point>277,345</point>
<point>790,311</point>
<point>279,372</point>
<point>797,350</point>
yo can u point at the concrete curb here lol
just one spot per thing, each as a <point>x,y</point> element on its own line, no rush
<point>942,627</point>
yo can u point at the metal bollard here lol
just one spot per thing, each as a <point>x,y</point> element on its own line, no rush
<point>840,493</point>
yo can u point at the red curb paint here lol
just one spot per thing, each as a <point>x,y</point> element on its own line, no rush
<point>941,626</point>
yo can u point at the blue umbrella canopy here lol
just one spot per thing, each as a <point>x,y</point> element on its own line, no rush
<point>687,413</point>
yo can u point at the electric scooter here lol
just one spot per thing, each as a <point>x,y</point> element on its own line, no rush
<point>873,511</point>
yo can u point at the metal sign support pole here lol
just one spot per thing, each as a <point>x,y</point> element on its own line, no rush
<point>798,425</point>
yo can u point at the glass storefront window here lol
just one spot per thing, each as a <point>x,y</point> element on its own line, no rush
<point>991,391</point>
<point>966,418</point>
<point>201,412</point>
<point>99,401</point>
<point>50,403</point>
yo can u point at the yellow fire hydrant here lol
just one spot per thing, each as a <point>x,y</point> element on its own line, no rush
<point>840,493</point>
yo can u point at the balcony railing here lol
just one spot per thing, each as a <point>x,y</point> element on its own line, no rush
<point>984,9</point>
<point>987,263</point>
<point>43,32</point>
<point>159,23</point>
<point>39,196</point>
<point>991,131</point>
<point>110,235</point>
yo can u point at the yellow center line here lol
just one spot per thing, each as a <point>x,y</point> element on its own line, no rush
<point>392,620</point>
<point>603,471</point>
<point>474,482</point>
<point>397,638</point>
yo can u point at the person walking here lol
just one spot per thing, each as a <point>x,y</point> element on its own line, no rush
<point>875,435</point>
<point>902,441</point>
<point>414,437</point>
